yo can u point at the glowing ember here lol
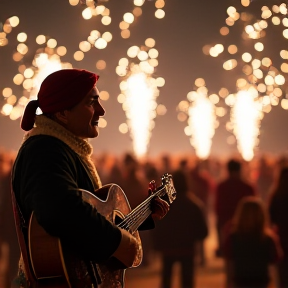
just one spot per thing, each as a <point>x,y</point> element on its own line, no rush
<point>245,117</point>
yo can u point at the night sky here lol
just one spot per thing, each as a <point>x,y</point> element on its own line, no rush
<point>180,37</point>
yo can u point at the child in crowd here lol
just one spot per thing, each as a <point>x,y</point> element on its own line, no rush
<point>250,246</point>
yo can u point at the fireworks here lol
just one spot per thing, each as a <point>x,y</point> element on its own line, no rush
<point>31,79</point>
<point>265,81</point>
<point>7,28</point>
<point>48,59</point>
<point>202,124</point>
<point>258,71</point>
<point>201,112</point>
<point>245,117</point>
<point>139,91</point>
<point>139,110</point>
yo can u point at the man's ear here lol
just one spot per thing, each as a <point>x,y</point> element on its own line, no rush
<point>62,116</point>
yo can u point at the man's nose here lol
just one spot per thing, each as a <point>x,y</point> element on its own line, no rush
<point>101,110</point>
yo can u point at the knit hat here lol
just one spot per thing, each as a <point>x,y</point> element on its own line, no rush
<point>59,91</point>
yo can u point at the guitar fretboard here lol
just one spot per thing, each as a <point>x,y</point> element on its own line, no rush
<point>137,216</point>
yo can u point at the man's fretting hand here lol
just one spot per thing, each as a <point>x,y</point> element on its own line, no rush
<point>159,206</point>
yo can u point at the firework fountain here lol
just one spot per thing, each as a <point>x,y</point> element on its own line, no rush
<point>47,58</point>
<point>263,84</point>
<point>201,115</point>
<point>139,91</point>
<point>246,115</point>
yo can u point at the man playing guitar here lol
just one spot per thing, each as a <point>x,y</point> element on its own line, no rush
<point>51,176</point>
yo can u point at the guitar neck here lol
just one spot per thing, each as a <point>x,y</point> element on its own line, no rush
<point>137,216</point>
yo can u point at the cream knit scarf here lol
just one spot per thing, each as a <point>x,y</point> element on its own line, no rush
<point>46,126</point>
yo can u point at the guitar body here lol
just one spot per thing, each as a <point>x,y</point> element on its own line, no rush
<point>113,204</point>
<point>47,258</point>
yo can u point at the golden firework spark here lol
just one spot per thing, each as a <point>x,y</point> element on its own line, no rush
<point>246,116</point>
<point>97,8</point>
<point>97,38</point>
<point>31,79</point>
<point>200,113</point>
<point>202,124</point>
<point>140,110</point>
<point>139,91</point>
<point>260,74</point>
<point>7,28</point>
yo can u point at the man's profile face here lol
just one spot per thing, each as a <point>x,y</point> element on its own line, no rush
<point>83,118</point>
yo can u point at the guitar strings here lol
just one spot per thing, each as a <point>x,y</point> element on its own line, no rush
<point>139,221</point>
<point>134,219</point>
<point>136,224</point>
<point>147,211</point>
<point>137,212</point>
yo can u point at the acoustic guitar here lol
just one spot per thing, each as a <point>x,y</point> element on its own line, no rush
<point>46,255</point>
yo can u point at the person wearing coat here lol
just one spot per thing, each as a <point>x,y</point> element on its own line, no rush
<point>178,234</point>
<point>53,165</point>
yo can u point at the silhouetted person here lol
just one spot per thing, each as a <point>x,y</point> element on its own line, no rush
<point>201,187</point>
<point>200,184</point>
<point>8,235</point>
<point>133,183</point>
<point>250,247</point>
<point>165,164</point>
<point>176,236</point>
<point>265,178</point>
<point>278,210</point>
<point>228,194</point>
<point>151,172</point>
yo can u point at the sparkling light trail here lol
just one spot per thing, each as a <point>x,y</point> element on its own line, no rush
<point>44,65</point>
<point>261,76</point>
<point>201,121</point>
<point>139,91</point>
<point>13,106</point>
<point>246,115</point>
<point>140,110</point>
<point>200,112</point>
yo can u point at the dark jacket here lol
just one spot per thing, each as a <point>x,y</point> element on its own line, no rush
<point>228,194</point>
<point>279,216</point>
<point>46,175</point>
<point>251,257</point>
<point>182,227</point>
<point>45,179</point>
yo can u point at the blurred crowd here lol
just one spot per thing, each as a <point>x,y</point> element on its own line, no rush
<point>248,199</point>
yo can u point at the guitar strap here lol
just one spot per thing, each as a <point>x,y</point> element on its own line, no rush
<point>21,231</point>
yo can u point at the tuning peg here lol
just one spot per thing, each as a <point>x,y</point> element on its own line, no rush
<point>152,185</point>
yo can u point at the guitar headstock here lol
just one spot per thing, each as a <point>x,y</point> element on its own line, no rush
<point>168,186</point>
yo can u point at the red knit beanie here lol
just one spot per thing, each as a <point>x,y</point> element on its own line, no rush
<point>59,91</point>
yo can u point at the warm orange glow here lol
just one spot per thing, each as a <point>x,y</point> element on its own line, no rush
<point>202,125</point>
<point>245,116</point>
<point>140,108</point>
